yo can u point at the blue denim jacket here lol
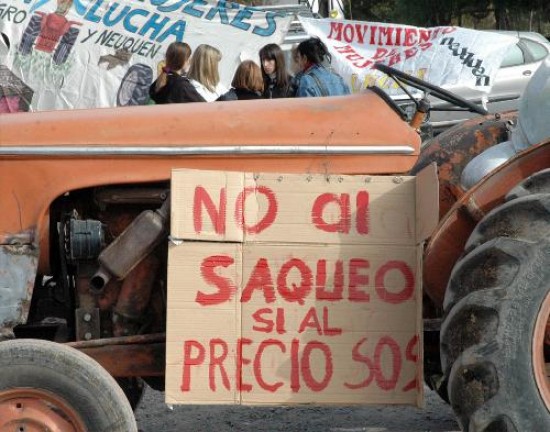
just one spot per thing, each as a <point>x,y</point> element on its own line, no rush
<point>318,81</point>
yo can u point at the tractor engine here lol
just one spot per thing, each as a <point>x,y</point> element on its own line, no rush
<point>107,273</point>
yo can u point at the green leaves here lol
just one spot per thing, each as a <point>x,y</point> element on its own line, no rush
<point>531,15</point>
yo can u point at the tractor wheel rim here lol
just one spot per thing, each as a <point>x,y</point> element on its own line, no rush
<point>540,366</point>
<point>34,410</point>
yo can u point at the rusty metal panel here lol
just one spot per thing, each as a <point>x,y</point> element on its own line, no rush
<point>18,265</point>
<point>447,242</point>
<point>456,147</point>
<point>130,356</point>
<point>87,324</point>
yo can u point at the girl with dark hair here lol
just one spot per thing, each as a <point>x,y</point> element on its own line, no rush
<point>172,84</point>
<point>276,78</point>
<point>247,83</point>
<point>315,79</point>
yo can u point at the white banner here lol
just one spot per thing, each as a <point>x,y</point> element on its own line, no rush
<point>96,53</point>
<point>443,56</point>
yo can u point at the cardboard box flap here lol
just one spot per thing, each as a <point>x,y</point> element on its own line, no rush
<point>427,202</point>
<point>294,208</point>
<point>199,205</point>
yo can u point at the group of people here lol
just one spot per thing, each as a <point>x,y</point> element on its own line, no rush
<point>196,78</point>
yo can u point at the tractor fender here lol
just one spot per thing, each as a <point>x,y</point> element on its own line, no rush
<point>449,238</point>
<point>453,149</point>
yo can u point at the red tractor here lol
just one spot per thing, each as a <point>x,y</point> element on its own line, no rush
<point>85,187</point>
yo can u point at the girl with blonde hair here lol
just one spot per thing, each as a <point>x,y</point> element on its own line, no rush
<point>204,74</point>
<point>172,85</point>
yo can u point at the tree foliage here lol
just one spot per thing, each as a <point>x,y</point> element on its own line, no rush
<point>482,14</point>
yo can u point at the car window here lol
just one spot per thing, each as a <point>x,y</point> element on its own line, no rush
<point>513,57</point>
<point>537,50</point>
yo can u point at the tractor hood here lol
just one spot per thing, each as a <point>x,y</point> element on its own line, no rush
<point>360,120</point>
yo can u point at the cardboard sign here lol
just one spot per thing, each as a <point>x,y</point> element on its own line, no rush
<point>68,54</point>
<point>287,289</point>
<point>443,56</point>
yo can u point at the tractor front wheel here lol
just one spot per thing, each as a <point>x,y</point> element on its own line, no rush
<point>45,386</point>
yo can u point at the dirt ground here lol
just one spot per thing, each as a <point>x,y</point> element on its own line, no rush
<point>154,416</point>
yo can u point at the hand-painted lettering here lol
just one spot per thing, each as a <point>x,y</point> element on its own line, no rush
<point>226,287</point>
<point>342,225</point>
<point>408,277</point>
<point>190,360</point>
<point>258,364</point>
<point>270,214</point>
<point>217,215</point>
<point>216,360</point>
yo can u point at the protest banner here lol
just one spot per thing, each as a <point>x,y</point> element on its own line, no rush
<point>443,56</point>
<point>289,289</point>
<point>95,53</point>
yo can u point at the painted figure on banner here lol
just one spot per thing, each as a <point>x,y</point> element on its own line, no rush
<point>204,73</point>
<point>316,79</point>
<point>274,71</point>
<point>247,83</point>
<point>172,84</point>
<point>51,33</point>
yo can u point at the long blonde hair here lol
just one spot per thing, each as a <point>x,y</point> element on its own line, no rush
<point>204,66</point>
<point>177,55</point>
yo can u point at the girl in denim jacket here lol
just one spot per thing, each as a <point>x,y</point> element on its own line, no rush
<point>315,79</point>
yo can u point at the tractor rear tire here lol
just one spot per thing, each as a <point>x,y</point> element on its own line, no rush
<point>497,307</point>
<point>49,386</point>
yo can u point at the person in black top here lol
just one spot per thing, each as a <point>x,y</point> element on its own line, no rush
<point>247,83</point>
<point>172,85</point>
<point>274,72</point>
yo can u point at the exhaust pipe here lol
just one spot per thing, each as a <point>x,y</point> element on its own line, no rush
<point>136,242</point>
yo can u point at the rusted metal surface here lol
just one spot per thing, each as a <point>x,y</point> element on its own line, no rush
<point>540,337</point>
<point>454,148</point>
<point>151,196</point>
<point>448,240</point>
<point>18,264</point>
<point>131,356</point>
<point>119,341</point>
<point>23,237</point>
<point>363,119</point>
<point>108,298</point>
<point>87,324</point>
<point>135,296</point>
<point>136,288</point>
<point>36,410</point>
<point>85,299</point>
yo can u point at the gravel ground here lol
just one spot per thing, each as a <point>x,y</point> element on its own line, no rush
<point>154,416</point>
